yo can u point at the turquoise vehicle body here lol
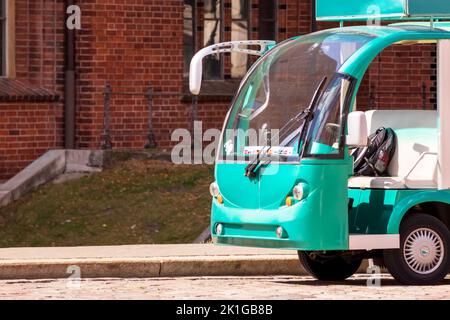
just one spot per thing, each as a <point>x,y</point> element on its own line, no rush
<point>350,10</point>
<point>254,211</point>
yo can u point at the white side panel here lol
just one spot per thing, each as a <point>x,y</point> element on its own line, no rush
<point>375,241</point>
<point>444,114</point>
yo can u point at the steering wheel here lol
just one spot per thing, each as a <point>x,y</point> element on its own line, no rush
<point>333,131</point>
<point>332,127</point>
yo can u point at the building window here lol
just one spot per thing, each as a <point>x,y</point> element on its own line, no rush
<point>3,46</point>
<point>267,19</point>
<point>189,18</point>
<point>240,25</point>
<point>213,27</point>
<point>212,34</point>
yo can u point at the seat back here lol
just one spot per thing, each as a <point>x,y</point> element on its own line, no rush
<point>416,134</point>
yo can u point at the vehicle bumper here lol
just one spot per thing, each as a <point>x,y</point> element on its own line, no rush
<point>258,228</point>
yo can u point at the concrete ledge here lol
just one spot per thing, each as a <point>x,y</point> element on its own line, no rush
<point>5,198</point>
<point>45,168</point>
<point>147,262</point>
<point>48,167</point>
<point>84,161</point>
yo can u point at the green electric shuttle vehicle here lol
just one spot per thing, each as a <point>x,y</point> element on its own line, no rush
<point>285,172</point>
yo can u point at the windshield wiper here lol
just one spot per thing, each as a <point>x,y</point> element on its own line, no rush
<point>253,167</point>
<point>306,115</point>
<point>311,110</point>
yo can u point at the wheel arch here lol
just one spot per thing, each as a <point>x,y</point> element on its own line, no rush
<point>434,203</point>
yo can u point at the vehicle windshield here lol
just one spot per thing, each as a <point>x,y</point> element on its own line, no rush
<point>266,112</point>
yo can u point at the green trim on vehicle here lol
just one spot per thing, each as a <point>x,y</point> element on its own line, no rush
<point>253,208</point>
<point>253,211</point>
<point>381,211</point>
<point>419,197</point>
<point>361,10</point>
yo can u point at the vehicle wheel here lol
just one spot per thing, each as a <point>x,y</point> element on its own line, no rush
<point>328,267</point>
<point>423,257</point>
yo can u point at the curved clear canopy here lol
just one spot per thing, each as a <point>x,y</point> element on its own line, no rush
<point>267,112</point>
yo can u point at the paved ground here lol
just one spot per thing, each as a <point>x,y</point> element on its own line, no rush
<point>280,288</point>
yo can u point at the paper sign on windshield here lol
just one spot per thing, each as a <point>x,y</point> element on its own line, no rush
<point>281,151</point>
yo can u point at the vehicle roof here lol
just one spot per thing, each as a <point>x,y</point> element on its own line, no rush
<point>440,29</point>
<point>386,10</point>
<point>441,25</point>
<point>385,36</point>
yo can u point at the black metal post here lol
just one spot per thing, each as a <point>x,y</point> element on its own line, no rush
<point>69,84</point>
<point>194,117</point>
<point>371,97</point>
<point>424,96</point>
<point>313,16</point>
<point>106,139</point>
<point>151,144</point>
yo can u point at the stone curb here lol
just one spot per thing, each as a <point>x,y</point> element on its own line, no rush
<point>154,267</point>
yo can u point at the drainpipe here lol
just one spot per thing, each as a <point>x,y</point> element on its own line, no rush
<point>313,16</point>
<point>69,85</point>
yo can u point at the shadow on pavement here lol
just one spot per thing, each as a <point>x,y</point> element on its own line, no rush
<point>351,282</point>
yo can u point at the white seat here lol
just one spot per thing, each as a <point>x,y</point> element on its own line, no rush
<point>414,164</point>
<point>376,183</point>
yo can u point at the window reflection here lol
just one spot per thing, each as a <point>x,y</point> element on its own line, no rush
<point>240,12</point>
<point>212,34</point>
<point>212,21</point>
<point>267,19</point>
<point>240,9</point>
<point>212,9</point>
<point>2,37</point>
<point>188,34</point>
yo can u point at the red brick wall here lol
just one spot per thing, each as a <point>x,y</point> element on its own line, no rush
<point>40,43</point>
<point>132,43</point>
<point>401,77</point>
<point>29,129</point>
<point>129,44</point>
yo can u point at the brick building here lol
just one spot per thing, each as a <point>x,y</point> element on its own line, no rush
<point>126,49</point>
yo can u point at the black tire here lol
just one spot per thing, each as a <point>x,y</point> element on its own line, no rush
<point>331,269</point>
<point>397,263</point>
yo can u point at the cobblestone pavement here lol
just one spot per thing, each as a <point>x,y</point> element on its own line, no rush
<point>280,288</point>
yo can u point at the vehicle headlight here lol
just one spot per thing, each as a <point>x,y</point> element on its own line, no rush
<point>280,232</point>
<point>300,192</point>
<point>214,189</point>
<point>219,229</point>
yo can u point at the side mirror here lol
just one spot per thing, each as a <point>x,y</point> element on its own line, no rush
<point>357,129</point>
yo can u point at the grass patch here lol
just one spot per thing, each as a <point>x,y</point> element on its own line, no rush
<point>133,202</point>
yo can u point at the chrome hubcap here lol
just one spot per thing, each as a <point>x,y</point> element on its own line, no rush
<point>423,251</point>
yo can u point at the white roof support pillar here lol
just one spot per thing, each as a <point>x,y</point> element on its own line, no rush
<point>443,99</point>
<point>196,69</point>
